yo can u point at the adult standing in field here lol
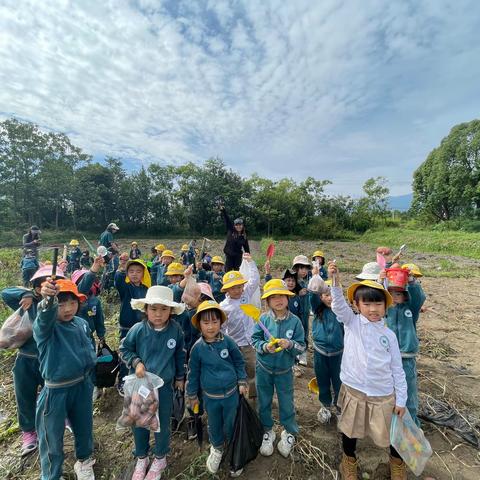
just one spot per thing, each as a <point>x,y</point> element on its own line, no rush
<point>31,240</point>
<point>236,243</point>
<point>106,238</point>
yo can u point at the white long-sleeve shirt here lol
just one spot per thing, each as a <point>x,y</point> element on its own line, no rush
<point>239,326</point>
<point>371,359</point>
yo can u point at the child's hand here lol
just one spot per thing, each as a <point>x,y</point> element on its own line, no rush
<point>247,257</point>
<point>140,370</point>
<point>315,269</point>
<point>180,384</point>
<point>303,292</point>
<point>271,347</point>
<point>188,271</point>
<point>98,262</point>
<point>267,267</point>
<point>283,343</point>
<point>25,303</point>
<point>382,275</point>
<point>63,264</point>
<point>400,411</point>
<point>332,270</point>
<point>192,402</point>
<point>243,390</point>
<point>48,289</point>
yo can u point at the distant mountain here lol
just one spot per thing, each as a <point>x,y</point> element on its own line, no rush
<point>400,202</point>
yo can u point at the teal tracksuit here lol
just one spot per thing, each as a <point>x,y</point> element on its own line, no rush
<point>215,280</point>
<point>216,369</point>
<point>154,269</point>
<point>128,316</point>
<point>162,279</point>
<point>274,370</point>
<point>327,336</point>
<point>29,266</point>
<point>304,308</point>
<point>402,319</point>
<point>162,352</point>
<point>66,360</point>
<point>177,292</point>
<point>26,371</point>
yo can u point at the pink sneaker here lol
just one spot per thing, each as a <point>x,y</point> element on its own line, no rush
<point>29,442</point>
<point>156,469</point>
<point>140,469</point>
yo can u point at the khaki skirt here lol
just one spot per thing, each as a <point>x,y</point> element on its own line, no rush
<point>364,416</point>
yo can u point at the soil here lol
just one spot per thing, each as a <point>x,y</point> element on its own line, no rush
<point>448,369</point>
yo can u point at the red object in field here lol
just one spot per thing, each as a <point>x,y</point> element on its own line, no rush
<point>397,277</point>
<point>270,251</point>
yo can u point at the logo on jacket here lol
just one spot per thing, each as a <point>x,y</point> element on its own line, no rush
<point>289,334</point>
<point>224,353</point>
<point>295,303</point>
<point>384,343</point>
<point>408,313</point>
<point>171,343</point>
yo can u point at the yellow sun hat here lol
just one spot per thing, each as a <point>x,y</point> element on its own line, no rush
<point>317,253</point>
<point>414,270</point>
<point>372,284</point>
<point>276,287</point>
<point>160,247</point>
<point>217,259</point>
<point>232,279</point>
<point>175,268</point>
<point>134,243</point>
<point>167,253</point>
<point>146,279</point>
<point>185,248</point>
<point>313,386</point>
<point>208,305</point>
<point>74,243</point>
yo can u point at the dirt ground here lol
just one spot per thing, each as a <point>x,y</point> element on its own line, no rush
<point>448,369</point>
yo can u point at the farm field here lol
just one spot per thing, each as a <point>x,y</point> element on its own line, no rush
<point>448,370</point>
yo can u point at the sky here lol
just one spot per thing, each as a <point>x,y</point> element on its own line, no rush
<point>337,90</point>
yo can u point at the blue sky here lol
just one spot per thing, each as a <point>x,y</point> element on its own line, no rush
<point>341,90</point>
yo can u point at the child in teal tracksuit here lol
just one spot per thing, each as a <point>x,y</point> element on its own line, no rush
<point>29,266</point>
<point>217,370</point>
<point>327,336</point>
<point>402,318</point>
<point>275,363</point>
<point>214,277</point>
<point>132,280</point>
<point>156,345</point>
<point>66,360</point>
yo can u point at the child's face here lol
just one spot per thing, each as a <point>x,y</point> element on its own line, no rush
<point>217,267</point>
<point>235,292</point>
<point>320,260</point>
<point>302,271</point>
<point>326,298</point>
<point>372,311</point>
<point>167,260</point>
<point>67,309</point>
<point>398,296</point>
<point>210,326</point>
<point>174,279</point>
<point>290,283</point>
<point>135,274</point>
<point>158,315</point>
<point>278,303</point>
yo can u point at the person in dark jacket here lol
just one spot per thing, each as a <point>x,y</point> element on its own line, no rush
<point>29,266</point>
<point>236,244</point>
<point>31,240</point>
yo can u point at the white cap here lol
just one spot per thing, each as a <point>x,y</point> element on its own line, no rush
<point>370,271</point>
<point>112,226</point>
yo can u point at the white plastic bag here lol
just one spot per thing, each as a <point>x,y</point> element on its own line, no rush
<point>140,404</point>
<point>16,330</point>
<point>317,284</point>
<point>410,442</point>
<point>255,299</point>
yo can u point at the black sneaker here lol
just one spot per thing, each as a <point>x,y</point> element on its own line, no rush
<point>191,430</point>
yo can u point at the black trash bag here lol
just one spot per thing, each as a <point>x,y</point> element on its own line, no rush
<point>106,367</point>
<point>441,413</point>
<point>247,436</point>
<point>178,405</point>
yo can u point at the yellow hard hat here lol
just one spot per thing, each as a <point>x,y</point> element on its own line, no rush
<point>217,259</point>
<point>185,248</point>
<point>372,284</point>
<point>160,247</point>
<point>232,279</point>
<point>313,386</point>
<point>74,243</point>
<point>317,253</point>
<point>208,305</point>
<point>328,282</point>
<point>414,270</point>
<point>175,268</point>
<point>276,287</point>
<point>167,253</point>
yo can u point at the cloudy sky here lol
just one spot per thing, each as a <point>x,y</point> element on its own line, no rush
<point>341,90</point>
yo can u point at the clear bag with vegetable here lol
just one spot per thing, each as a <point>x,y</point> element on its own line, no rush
<point>16,330</point>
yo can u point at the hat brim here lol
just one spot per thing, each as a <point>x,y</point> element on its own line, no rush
<point>354,286</point>
<point>219,263</point>
<point>195,321</point>
<point>233,283</point>
<point>171,274</point>
<point>140,303</point>
<point>367,276</point>
<point>287,293</point>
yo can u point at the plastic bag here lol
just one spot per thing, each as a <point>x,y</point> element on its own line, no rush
<point>178,405</point>
<point>317,285</point>
<point>247,436</point>
<point>140,404</point>
<point>191,294</point>
<point>16,330</point>
<point>106,367</point>
<point>255,299</point>
<point>410,442</point>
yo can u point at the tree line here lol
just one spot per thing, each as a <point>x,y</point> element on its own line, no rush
<point>46,180</point>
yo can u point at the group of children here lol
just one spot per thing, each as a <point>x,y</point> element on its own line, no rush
<point>201,341</point>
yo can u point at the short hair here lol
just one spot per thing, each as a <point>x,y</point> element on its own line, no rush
<point>210,314</point>
<point>65,296</point>
<point>369,294</point>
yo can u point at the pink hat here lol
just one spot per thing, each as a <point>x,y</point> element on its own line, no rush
<point>46,271</point>
<point>205,289</point>
<point>78,274</point>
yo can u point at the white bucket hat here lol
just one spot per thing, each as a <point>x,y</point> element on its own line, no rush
<point>158,295</point>
<point>301,260</point>
<point>370,271</point>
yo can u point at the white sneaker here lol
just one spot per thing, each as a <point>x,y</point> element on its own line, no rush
<point>267,443</point>
<point>236,473</point>
<point>302,359</point>
<point>213,460</point>
<point>324,415</point>
<point>84,469</point>
<point>95,394</point>
<point>285,445</point>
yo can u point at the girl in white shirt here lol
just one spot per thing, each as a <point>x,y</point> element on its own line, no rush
<point>373,380</point>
